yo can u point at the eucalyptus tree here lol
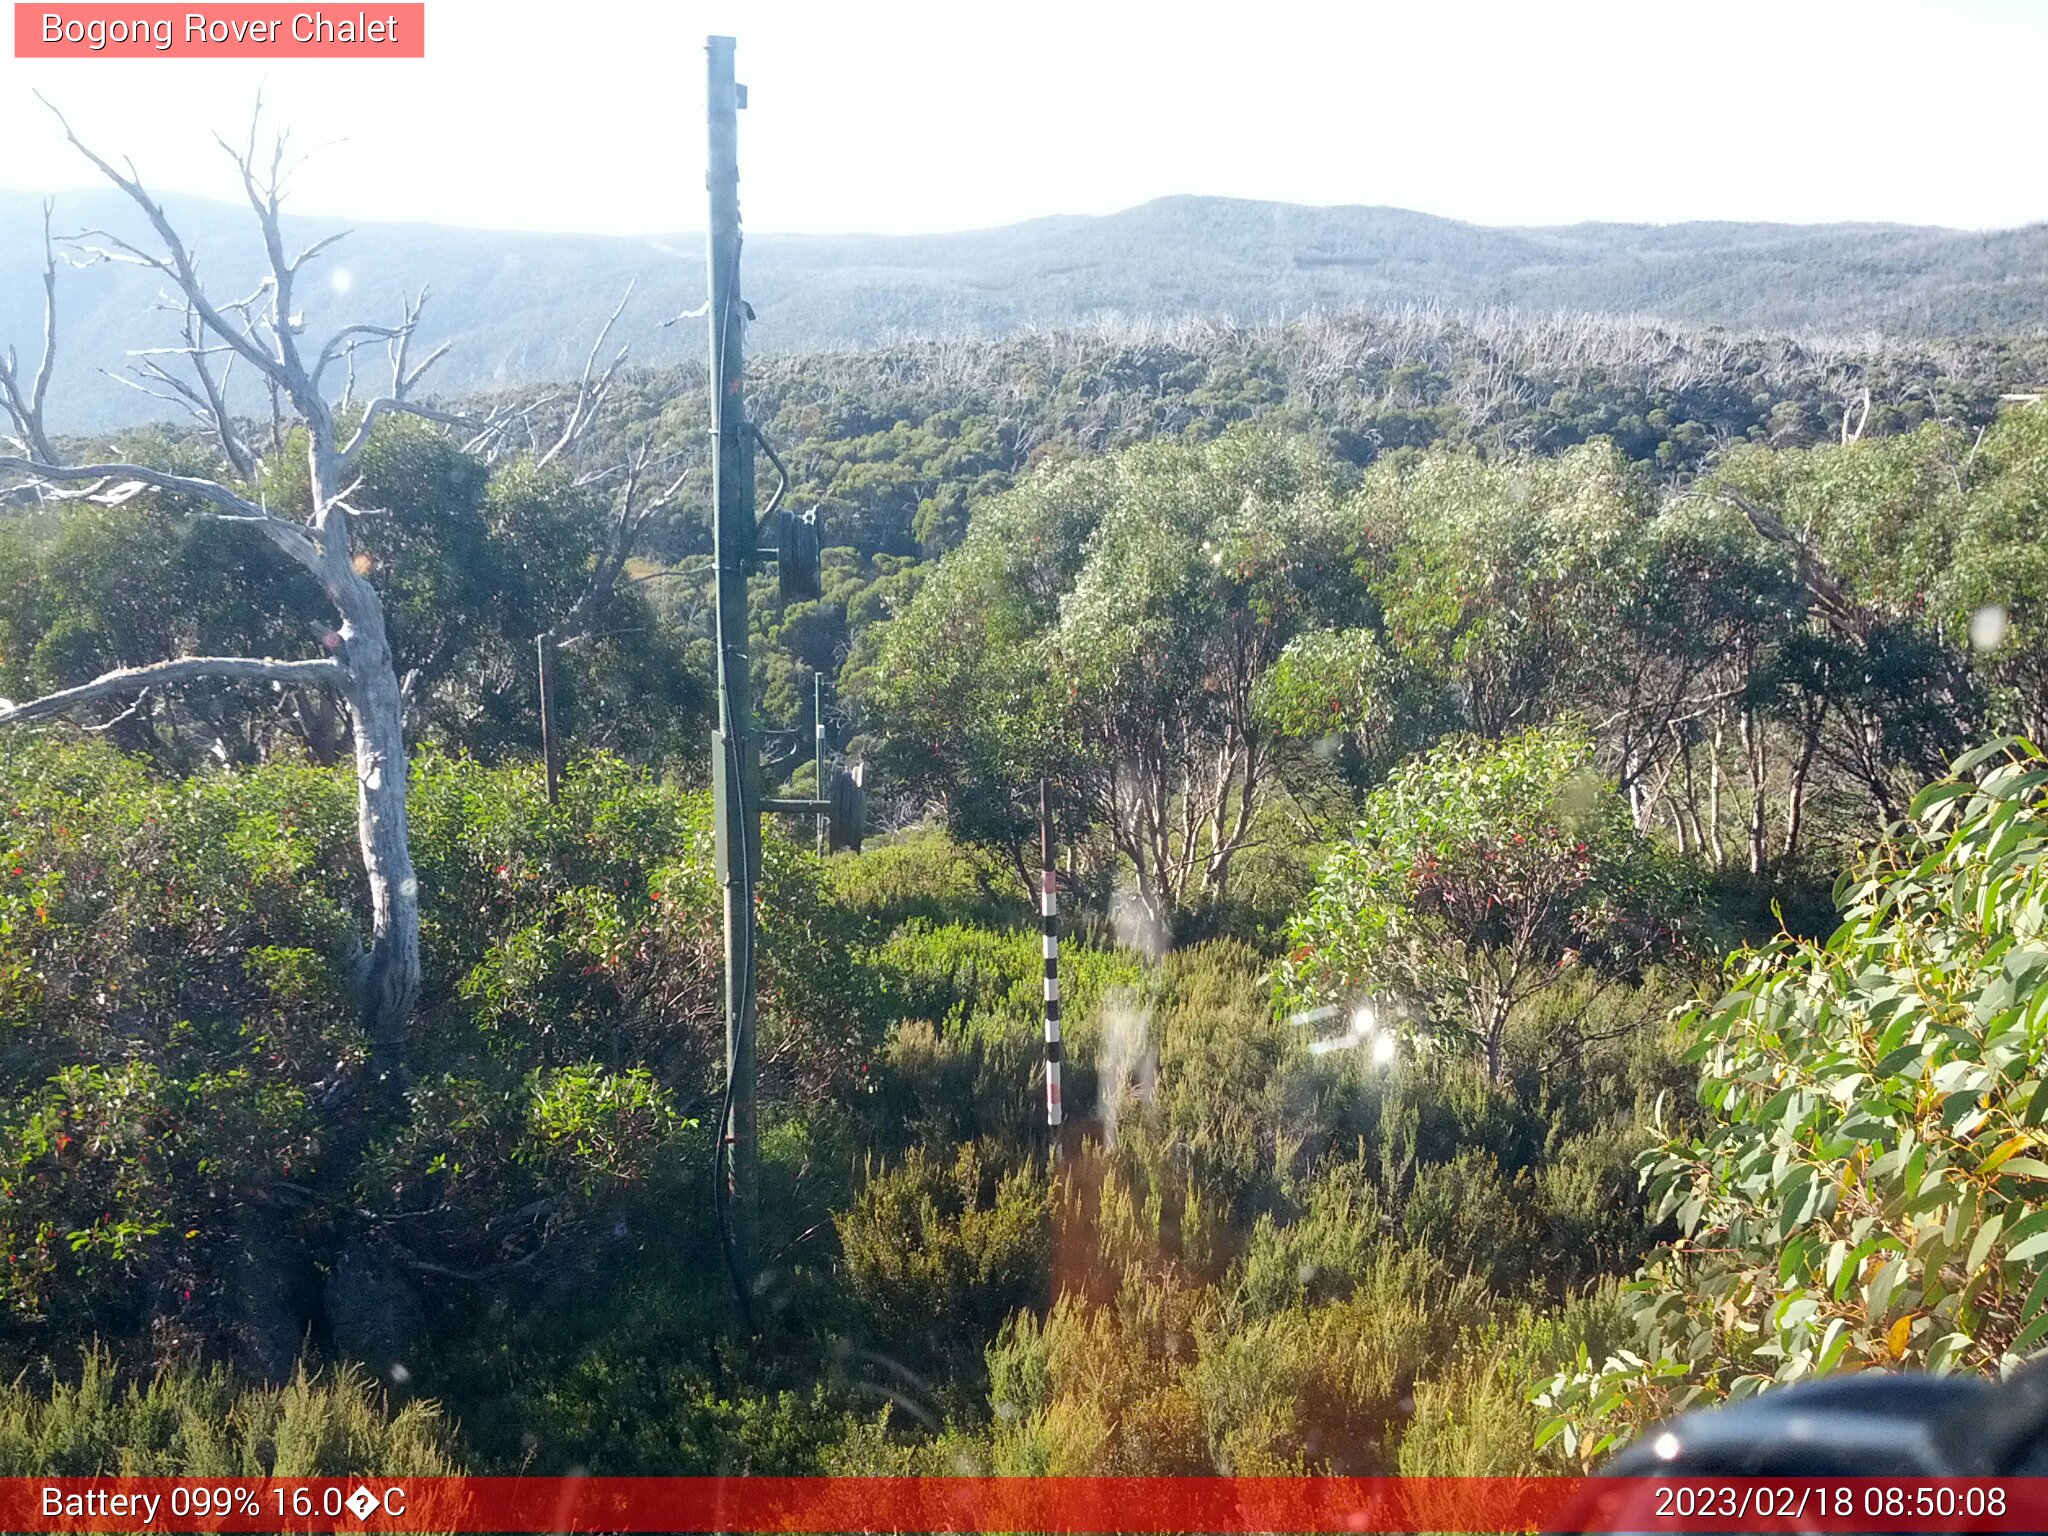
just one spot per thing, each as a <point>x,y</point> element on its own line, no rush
<point>1479,876</point>
<point>1993,589</point>
<point>1108,625</point>
<point>315,442</point>
<point>1884,1076</point>
<point>1503,578</point>
<point>1868,529</point>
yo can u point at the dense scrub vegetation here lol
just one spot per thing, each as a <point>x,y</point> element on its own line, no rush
<point>1864,1188</point>
<point>1429,710</point>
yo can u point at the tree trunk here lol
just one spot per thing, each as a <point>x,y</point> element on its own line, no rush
<point>390,981</point>
<point>1714,798</point>
<point>550,746</point>
<point>1496,1039</point>
<point>1795,809</point>
<point>1753,753</point>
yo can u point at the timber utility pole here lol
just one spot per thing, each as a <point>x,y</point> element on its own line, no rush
<point>736,769</point>
<point>735,757</point>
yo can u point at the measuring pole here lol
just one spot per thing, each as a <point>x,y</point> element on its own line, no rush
<point>735,755</point>
<point>1048,917</point>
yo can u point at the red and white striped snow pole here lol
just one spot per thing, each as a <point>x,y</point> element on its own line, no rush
<point>1048,917</point>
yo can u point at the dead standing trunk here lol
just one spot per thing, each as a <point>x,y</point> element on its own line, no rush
<point>264,333</point>
<point>550,746</point>
<point>390,982</point>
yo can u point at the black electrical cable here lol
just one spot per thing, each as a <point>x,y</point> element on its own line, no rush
<point>720,1146</point>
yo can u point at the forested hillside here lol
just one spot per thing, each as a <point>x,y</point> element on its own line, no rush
<point>518,303</point>
<point>1518,977</point>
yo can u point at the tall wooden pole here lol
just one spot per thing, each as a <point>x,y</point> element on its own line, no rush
<point>735,749</point>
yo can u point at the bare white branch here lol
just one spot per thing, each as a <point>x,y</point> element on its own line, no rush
<point>179,264</point>
<point>25,406</point>
<point>631,512</point>
<point>592,388</point>
<point>318,246</point>
<point>384,405</point>
<point>113,484</point>
<point>182,669</point>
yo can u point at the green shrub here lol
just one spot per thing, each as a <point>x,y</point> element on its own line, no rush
<point>1324,1251</point>
<point>1102,1390</point>
<point>1220,1056</point>
<point>938,1253</point>
<point>1475,1220</point>
<point>1322,1386</point>
<point>122,1184</point>
<point>938,1087</point>
<point>1481,875</point>
<point>959,971</point>
<point>1162,1376</point>
<point>590,930</point>
<point>925,875</point>
<point>1866,1187</point>
<point>194,1423</point>
<point>1472,1414</point>
<point>1471,1420</point>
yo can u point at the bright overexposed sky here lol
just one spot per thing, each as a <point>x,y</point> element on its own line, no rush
<point>900,117</point>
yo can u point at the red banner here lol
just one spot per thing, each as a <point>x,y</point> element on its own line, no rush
<point>1050,1504</point>
<point>378,30</point>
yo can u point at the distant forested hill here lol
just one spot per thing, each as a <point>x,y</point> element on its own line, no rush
<point>523,306</point>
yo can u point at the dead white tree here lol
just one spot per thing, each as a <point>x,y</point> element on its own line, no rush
<point>263,333</point>
<point>24,403</point>
<point>634,506</point>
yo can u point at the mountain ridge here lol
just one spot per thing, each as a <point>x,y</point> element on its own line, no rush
<point>520,306</point>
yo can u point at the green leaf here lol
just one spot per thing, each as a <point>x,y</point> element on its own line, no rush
<point>2026,1227</point>
<point>2030,1335</point>
<point>1943,1353</point>
<point>1935,795</point>
<point>1980,1247</point>
<point>1796,1197</point>
<point>1878,1294</point>
<point>2004,1151</point>
<point>2035,1297</point>
<point>1905,1056</point>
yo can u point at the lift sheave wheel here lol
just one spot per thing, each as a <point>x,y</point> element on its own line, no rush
<point>798,559</point>
<point>847,809</point>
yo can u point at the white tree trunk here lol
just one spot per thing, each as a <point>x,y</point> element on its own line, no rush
<point>376,706</point>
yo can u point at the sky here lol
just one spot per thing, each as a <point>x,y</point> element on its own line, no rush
<point>872,115</point>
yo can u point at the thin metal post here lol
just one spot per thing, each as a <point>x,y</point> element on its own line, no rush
<point>818,750</point>
<point>735,757</point>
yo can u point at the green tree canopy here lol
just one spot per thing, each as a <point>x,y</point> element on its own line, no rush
<point>1480,875</point>
<point>1869,1185</point>
<point>1107,625</point>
